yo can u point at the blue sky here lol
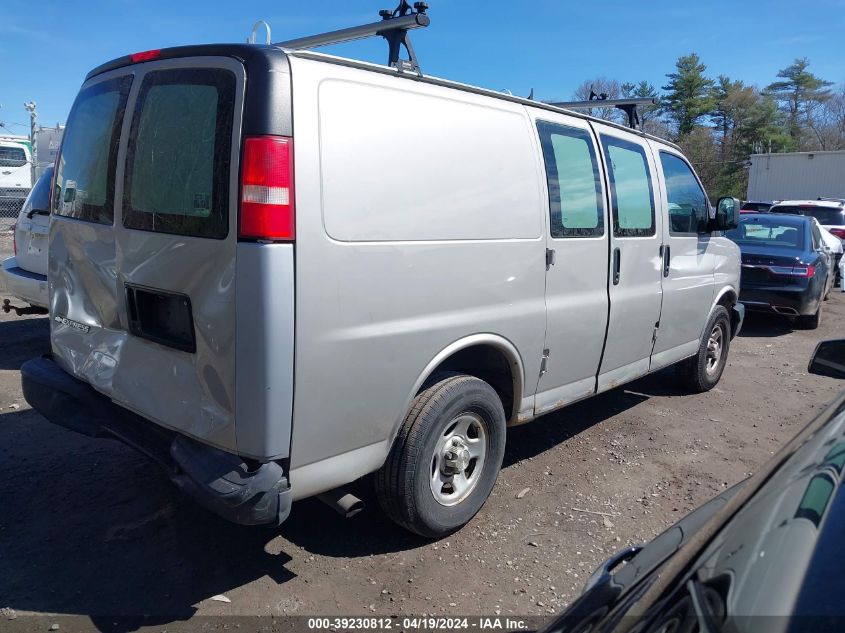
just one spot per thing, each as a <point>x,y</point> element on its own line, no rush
<point>47,46</point>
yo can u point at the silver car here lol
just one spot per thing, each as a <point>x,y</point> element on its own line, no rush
<point>25,273</point>
<point>276,271</point>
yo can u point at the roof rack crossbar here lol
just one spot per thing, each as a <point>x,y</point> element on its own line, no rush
<point>825,199</point>
<point>628,106</point>
<point>393,27</point>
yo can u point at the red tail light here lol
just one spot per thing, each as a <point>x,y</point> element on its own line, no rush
<point>267,204</point>
<point>794,271</point>
<point>145,56</point>
<point>840,233</point>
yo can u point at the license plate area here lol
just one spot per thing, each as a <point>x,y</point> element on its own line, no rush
<point>161,316</point>
<point>37,242</point>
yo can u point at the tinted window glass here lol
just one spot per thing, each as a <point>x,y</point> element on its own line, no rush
<point>825,215</point>
<point>85,170</point>
<point>689,210</point>
<point>630,187</point>
<point>575,198</point>
<point>12,156</point>
<point>39,197</point>
<point>816,497</point>
<point>768,231</point>
<point>836,457</point>
<point>756,206</point>
<point>177,165</point>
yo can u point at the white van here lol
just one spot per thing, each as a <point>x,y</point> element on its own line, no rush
<point>277,271</point>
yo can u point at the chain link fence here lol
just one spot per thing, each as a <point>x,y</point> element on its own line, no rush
<point>10,205</point>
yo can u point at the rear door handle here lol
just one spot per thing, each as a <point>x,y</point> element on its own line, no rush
<point>666,255</point>
<point>617,265</point>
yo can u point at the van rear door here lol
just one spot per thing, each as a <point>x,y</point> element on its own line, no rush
<point>144,238</point>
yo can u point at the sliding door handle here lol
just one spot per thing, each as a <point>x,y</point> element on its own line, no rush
<point>617,265</point>
<point>666,255</point>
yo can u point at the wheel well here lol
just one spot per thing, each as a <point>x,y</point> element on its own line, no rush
<point>728,300</point>
<point>491,365</point>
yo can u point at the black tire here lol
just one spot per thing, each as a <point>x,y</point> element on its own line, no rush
<point>811,321</point>
<point>405,484</point>
<point>697,373</point>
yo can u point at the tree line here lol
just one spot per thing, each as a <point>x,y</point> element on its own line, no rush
<point>719,122</point>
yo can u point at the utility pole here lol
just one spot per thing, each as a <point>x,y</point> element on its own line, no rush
<point>33,119</point>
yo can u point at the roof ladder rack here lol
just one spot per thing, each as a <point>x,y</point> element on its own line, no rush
<point>628,106</point>
<point>393,27</point>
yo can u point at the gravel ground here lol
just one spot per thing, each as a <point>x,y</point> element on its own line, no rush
<point>88,527</point>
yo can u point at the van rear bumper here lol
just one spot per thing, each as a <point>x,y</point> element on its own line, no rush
<point>241,492</point>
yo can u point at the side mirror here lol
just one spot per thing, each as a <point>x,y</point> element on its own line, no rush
<point>829,359</point>
<point>727,214</point>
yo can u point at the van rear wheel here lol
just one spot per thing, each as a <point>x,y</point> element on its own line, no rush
<point>446,457</point>
<point>702,372</point>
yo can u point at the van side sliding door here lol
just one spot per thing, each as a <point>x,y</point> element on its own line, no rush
<point>634,284</point>
<point>576,264</point>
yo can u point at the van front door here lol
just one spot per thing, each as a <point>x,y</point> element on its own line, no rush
<point>634,283</point>
<point>688,260</point>
<point>576,277</point>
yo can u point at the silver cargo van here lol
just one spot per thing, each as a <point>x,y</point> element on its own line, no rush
<point>276,271</point>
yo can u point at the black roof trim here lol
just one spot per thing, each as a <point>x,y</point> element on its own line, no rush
<point>238,51</point>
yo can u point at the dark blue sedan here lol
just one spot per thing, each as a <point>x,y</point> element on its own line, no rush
<point>786,268</point>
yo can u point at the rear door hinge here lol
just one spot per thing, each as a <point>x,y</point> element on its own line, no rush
<point>544,361</point>
<point>550,258</point>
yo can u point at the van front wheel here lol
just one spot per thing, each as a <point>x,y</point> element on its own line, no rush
<point>446,457</point>
<point>701,372</point>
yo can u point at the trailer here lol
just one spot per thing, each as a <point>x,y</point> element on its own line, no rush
<point>47,141</point>
<point>796,175</point>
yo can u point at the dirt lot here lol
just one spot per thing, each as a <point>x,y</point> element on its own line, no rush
<point>89,527</point>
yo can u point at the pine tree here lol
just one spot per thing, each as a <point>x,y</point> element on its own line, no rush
<point>799,92</point>
<point>688,96</point>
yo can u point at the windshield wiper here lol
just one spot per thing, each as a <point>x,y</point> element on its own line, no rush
<point>37,212</point>
<point>703,610</point>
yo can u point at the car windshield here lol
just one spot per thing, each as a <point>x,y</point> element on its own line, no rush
<point>768,231</point>
<point>825,215</point>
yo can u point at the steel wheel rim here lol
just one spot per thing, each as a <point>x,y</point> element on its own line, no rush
<point>715,346</point>
<point>459,456</point>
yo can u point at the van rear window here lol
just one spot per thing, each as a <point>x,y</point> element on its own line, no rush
<point>178,157</point>
<point>85,170</point>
